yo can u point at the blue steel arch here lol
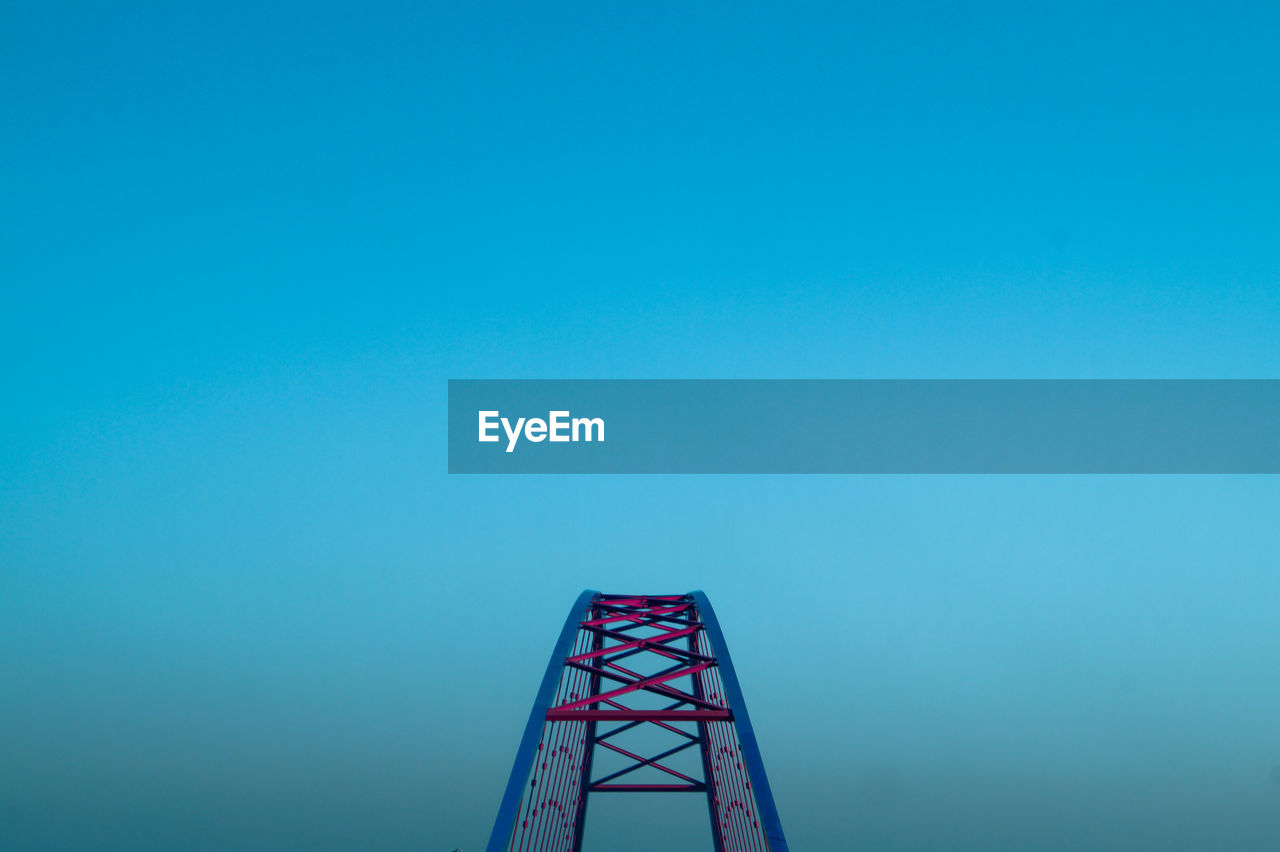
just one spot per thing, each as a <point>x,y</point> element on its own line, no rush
<point>504,825</point>
<point>746,733</point>
<point>573,703</point>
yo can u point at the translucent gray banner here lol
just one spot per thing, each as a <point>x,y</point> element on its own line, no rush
<point>864,426</point>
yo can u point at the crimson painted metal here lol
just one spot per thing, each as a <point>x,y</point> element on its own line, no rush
<point>677,695</point>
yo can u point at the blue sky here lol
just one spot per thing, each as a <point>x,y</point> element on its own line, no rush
<point>243,249</point>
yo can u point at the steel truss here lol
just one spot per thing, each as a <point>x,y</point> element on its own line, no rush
<point>625,663</point>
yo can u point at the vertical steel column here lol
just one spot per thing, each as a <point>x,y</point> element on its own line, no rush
<point>589,747</point>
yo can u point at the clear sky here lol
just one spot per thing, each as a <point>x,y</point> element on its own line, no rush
<point>242,248</point>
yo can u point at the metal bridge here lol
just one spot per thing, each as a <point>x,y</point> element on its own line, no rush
<point>640,696</point>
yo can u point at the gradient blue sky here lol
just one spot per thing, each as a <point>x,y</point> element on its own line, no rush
<point>242,249</point>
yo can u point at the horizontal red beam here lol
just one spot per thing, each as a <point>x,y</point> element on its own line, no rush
<point>635,600</point>
<point>640,715</point>
<point>647,788</point>
<point>636,615</point>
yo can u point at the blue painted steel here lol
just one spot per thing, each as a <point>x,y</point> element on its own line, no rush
<point>742,721</point>
<point>510,807</point>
